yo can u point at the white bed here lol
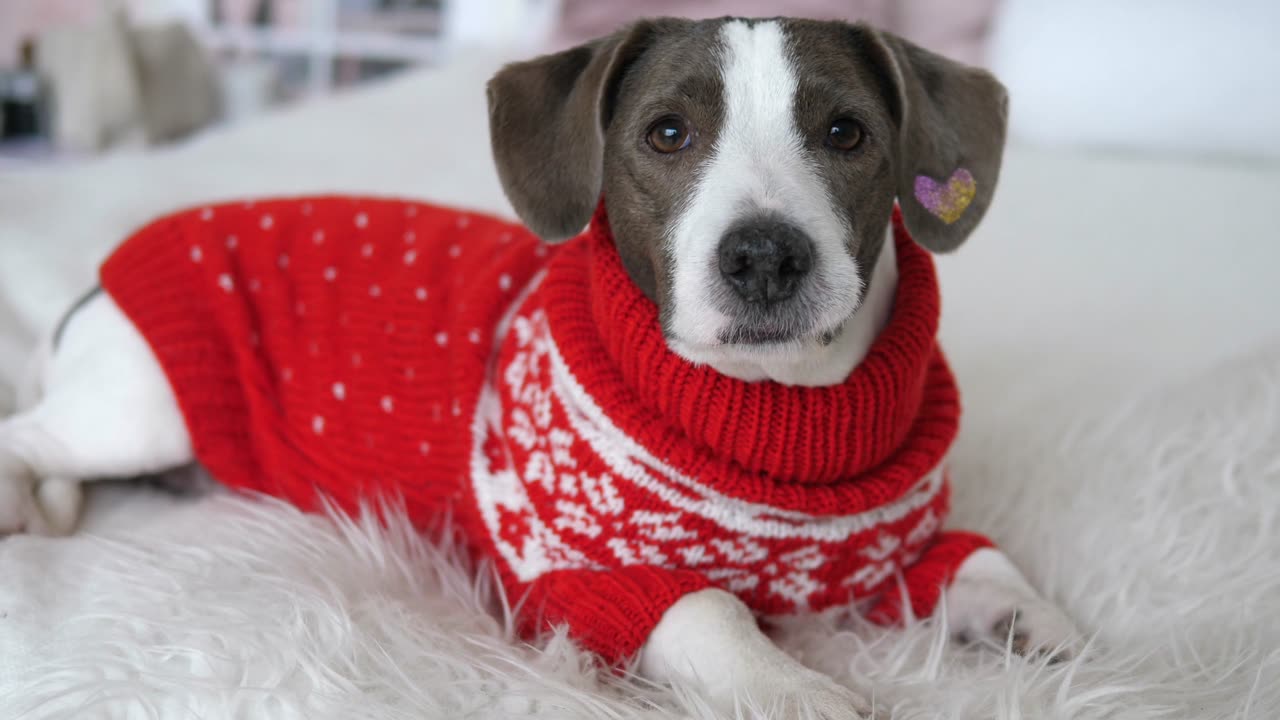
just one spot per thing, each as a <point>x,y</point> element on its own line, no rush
<point>1115,325</point>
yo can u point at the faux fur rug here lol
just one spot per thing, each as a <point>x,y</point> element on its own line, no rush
<point>1155,526</point>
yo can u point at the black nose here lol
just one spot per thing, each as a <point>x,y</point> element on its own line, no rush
<point>765,260</point>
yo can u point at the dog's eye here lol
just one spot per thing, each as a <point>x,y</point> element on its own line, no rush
<point>669,135</point>
<point>844,135</point>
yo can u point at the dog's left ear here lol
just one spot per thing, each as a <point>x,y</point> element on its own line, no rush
<point>547,118</point>
<point>951,130</point>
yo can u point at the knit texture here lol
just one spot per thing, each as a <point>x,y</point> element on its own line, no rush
<point>355,348</point>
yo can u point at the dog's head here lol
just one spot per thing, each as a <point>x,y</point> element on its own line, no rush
<point>749,167</point>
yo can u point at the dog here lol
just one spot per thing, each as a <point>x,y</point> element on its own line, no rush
<point>723,400</point>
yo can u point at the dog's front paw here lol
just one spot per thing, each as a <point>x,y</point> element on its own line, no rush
<point>708,641</point>
<point>828,700</point>
<point>51,507</point>
<point>990,603</point>
<point>1033,628</point>
<point>799,693</point>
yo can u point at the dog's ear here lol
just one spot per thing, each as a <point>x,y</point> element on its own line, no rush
<point>547,119</point>
<point>951,130</point>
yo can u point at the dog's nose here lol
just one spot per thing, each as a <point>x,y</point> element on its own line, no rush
<point>764,261</point>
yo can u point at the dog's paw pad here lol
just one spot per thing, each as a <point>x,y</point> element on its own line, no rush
<point>1037,630</point>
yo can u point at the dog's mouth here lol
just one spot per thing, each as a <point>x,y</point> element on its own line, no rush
<point>765,334</point>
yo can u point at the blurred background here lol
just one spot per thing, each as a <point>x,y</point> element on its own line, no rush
<point>1144,134</point>
<point>81,77</point>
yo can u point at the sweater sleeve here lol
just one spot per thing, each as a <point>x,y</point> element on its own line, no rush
<point>924,580</point>
<point>608,612</point>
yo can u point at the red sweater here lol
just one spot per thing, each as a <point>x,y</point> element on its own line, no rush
<point>356,348</point>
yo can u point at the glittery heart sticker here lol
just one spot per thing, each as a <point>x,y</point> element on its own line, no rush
<point>946,202</point>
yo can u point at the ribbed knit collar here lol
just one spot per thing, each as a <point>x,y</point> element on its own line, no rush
<point>776,433</point>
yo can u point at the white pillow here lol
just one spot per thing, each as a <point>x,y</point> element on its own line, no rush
<point>97,102</point>
<point>1182,76</point>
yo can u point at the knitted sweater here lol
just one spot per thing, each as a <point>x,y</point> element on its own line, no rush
<point>354,348</point>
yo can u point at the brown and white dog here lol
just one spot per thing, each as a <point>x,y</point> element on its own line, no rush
<point>795,137</point>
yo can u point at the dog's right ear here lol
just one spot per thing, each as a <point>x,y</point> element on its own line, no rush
<point>547,119</point>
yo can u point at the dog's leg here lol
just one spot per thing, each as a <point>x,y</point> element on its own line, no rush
<point>709,639</point>
<point>989,600</point>
<point>106,411</point>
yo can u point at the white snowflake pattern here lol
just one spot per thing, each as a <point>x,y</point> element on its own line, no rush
<point>566,497</point>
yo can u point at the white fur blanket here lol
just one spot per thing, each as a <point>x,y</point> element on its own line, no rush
<point>1164,544</point>
<point>1121,441</point>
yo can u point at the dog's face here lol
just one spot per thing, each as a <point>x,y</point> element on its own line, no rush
<point>749,168</point>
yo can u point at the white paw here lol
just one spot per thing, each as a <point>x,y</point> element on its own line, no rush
<point>18,509</point>
<point>709,642</point>
<point>990,603</point>
<point>802,694</point>
<point>51,507</point>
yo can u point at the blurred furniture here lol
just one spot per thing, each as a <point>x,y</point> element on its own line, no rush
<point>132,72</point>
<point>23,101</point>
<point>111,83</point>
<point>342,41</point>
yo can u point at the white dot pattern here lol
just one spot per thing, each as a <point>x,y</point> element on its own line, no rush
<point>334,266</point>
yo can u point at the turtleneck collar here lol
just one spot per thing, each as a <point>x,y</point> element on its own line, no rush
<point>773,434</point>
